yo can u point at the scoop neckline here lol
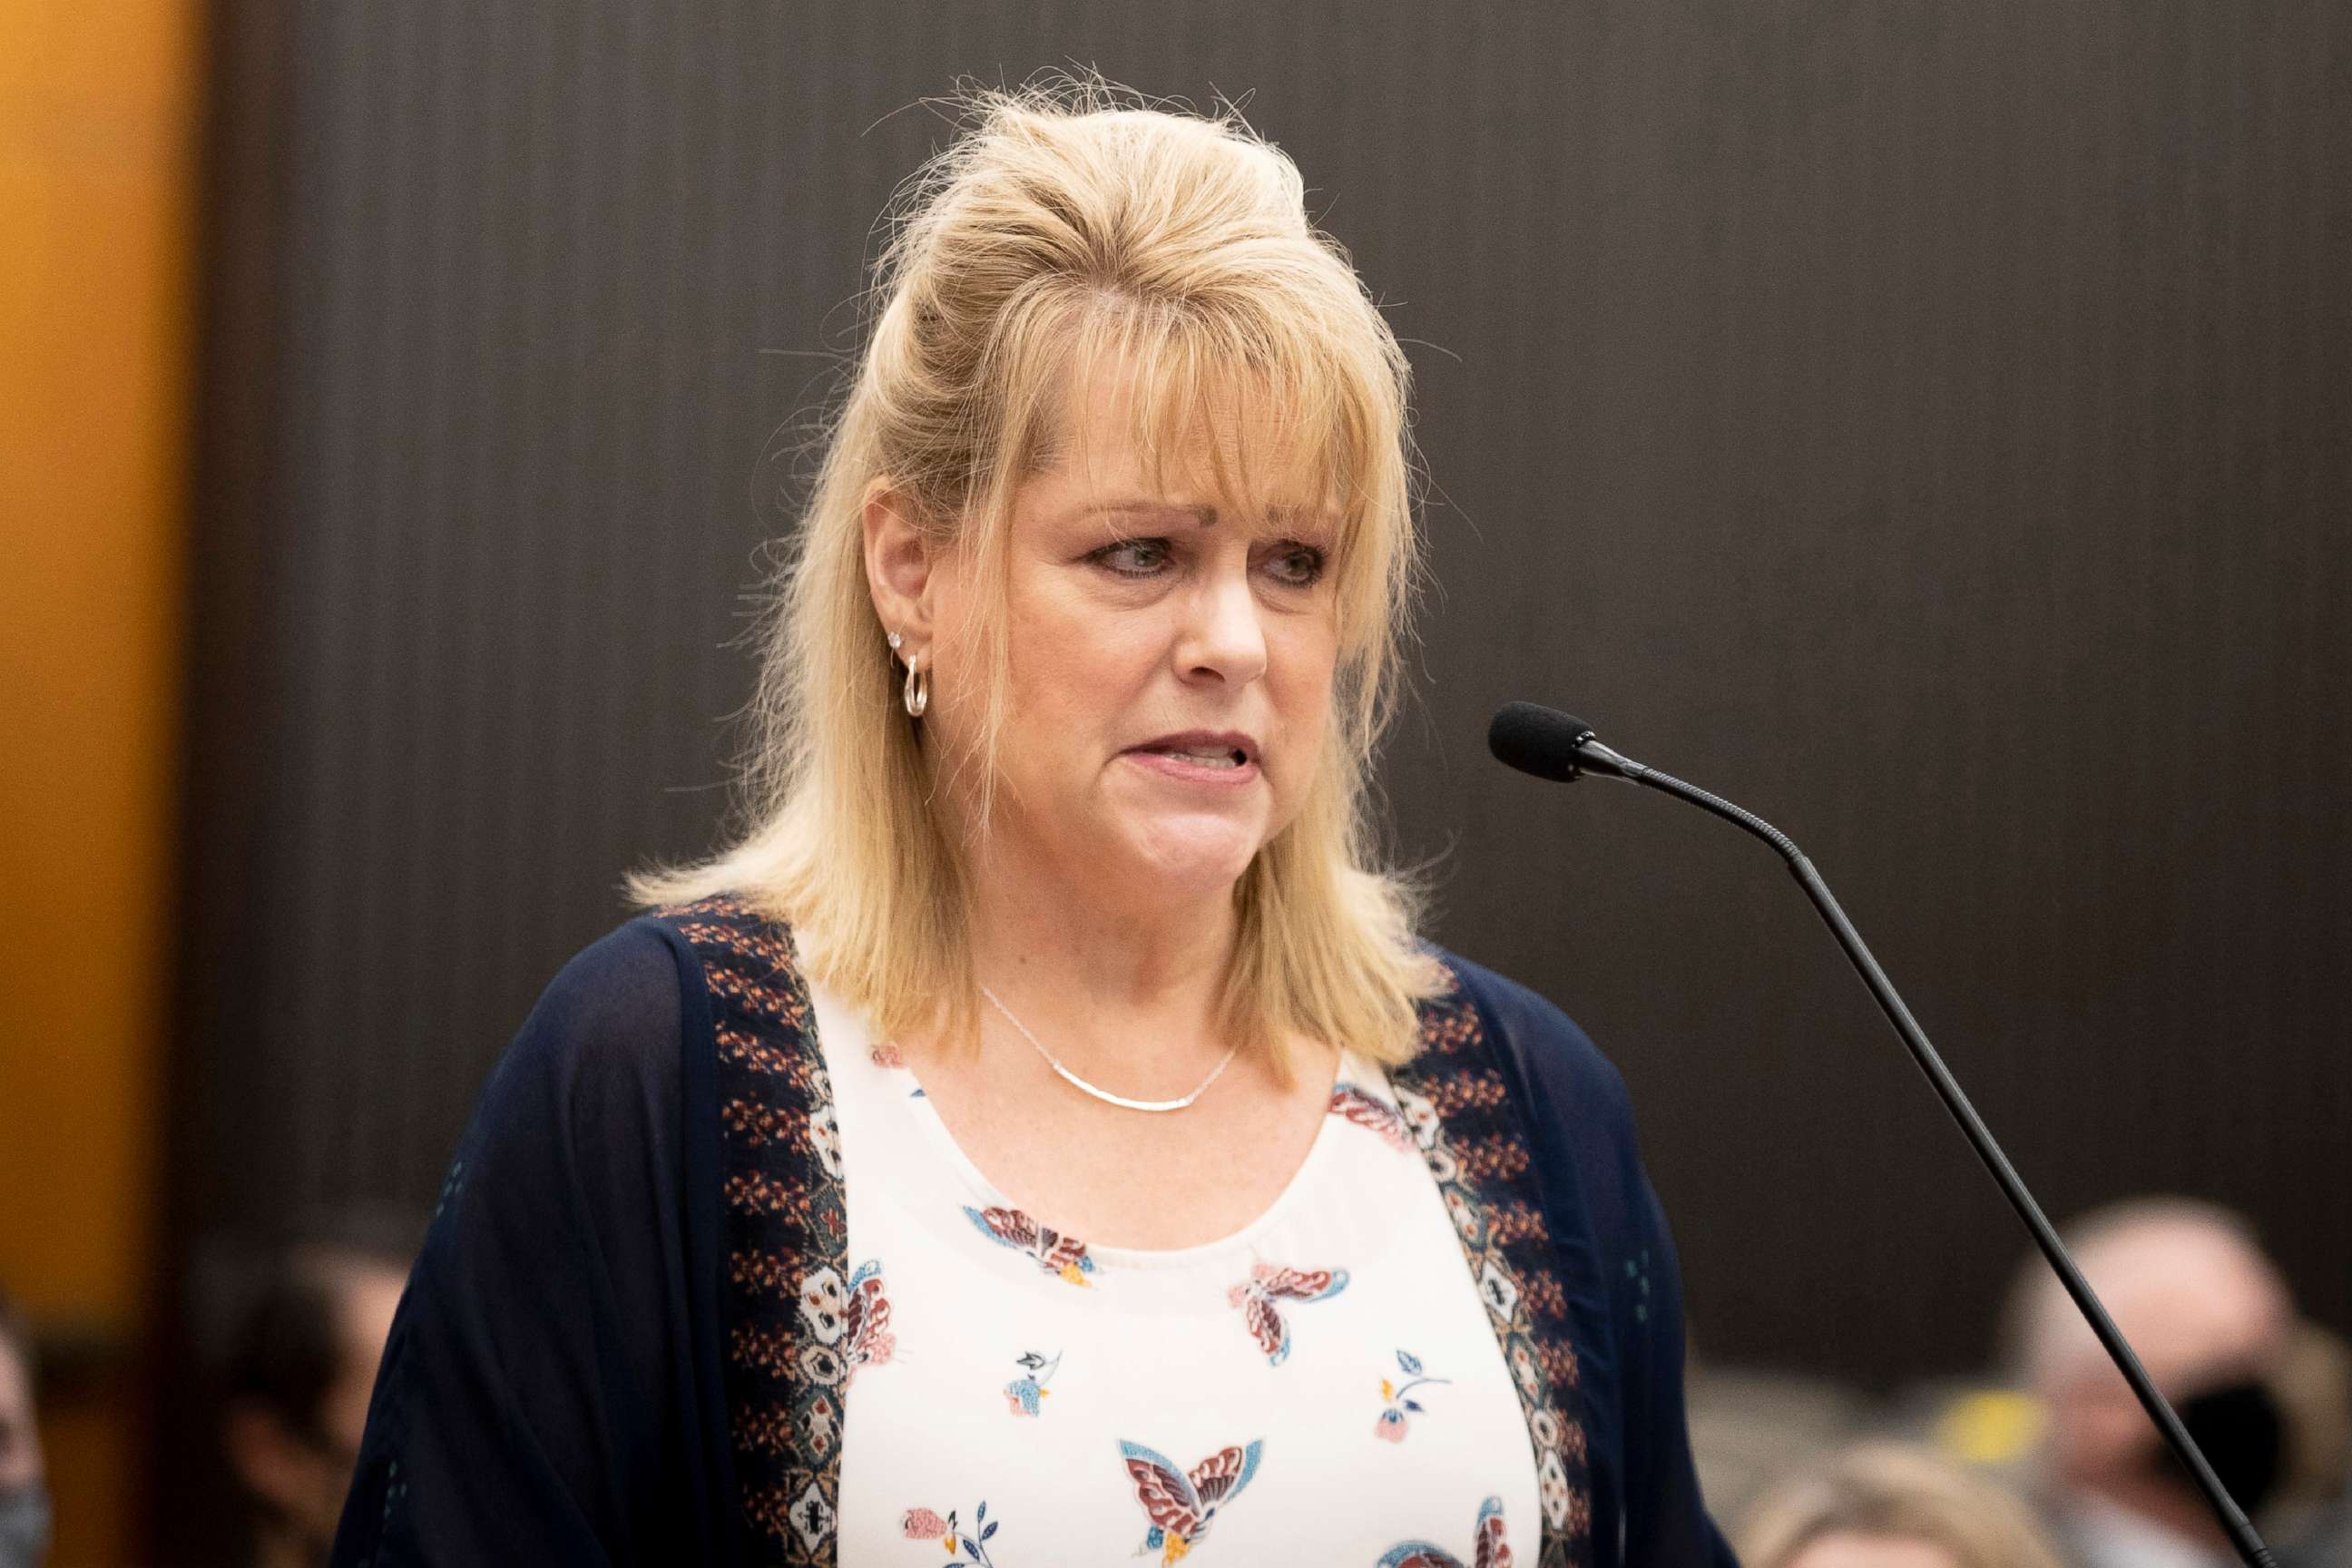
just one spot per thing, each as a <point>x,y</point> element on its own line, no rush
<point>934,1133</point>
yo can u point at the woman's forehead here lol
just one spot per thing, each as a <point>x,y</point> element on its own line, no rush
<point>1228,456</point>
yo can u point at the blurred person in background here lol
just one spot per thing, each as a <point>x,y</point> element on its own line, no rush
<point>2312,1514</point>
<point>23,1477</point>
<point>300,1359</point>
<point>1752,1428</point>
<point>1890,1506</point>
<point>2212,1322</point>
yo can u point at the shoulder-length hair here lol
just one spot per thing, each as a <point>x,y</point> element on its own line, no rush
<point>1068,225</point>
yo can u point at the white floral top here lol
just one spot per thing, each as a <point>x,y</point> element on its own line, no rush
<point>1321,1387</point>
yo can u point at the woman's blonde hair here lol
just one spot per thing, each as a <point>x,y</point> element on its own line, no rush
<point>1887,1489</point>
<point>1071,227</point>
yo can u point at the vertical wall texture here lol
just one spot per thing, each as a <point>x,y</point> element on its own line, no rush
<point>1926,424</point>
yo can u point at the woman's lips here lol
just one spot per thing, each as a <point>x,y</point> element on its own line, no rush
<point>1176,764</point>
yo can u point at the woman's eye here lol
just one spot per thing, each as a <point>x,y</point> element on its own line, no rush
<point>1296,565</point>
<point>1134,557</point>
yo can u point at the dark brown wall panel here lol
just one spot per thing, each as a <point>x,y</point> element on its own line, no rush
<point>1927,424</point>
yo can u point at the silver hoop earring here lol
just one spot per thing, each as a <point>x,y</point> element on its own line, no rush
<point>917,695</point>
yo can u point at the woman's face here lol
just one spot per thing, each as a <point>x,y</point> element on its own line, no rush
<point>1171,661</point>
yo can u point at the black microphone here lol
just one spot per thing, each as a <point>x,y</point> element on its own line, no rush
<point>1553,745</point>
<point>1550,744</point>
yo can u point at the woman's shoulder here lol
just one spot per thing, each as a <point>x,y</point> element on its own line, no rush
<point>625,1005</point>
<point>731,932</point>
<point>609,1028</point>
<point>1545,1047</point>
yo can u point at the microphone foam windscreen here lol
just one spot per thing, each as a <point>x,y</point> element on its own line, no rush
<point>1537,740</point>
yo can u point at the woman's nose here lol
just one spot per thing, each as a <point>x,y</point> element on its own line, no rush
<point>1222,637</point>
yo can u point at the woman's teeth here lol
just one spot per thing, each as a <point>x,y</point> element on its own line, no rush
<point>1204,759</point>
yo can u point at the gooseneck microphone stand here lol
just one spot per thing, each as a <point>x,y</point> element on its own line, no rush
<point>1553,745</point>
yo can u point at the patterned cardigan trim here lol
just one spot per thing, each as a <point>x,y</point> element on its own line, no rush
<point>784,1230</point>
<point>786,1236</point>
<point>1455,1099</point>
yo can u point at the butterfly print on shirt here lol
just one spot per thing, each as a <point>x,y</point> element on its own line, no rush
<point>1372,1113</point>
<point>865,1338</point>
<point>1268,1285</point>
<point>1180,1506</point>
<point>1491,1546</point>
<point>1059,1255</point>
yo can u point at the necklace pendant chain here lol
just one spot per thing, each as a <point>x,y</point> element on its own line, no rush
<point>1106,1096</point>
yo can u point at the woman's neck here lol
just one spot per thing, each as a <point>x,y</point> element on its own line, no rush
<point>1084,973</point>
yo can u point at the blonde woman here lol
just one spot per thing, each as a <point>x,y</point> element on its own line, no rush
<point>1043,1138</point>
<point>1884,1505</point>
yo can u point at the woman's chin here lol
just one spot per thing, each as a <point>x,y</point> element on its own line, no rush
<point>1192,858</point>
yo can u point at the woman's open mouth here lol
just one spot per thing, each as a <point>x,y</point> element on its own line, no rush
<point>1200,758</point>
<point>1231,757</point>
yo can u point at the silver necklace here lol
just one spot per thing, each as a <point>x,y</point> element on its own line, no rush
<point>1075,1081</point>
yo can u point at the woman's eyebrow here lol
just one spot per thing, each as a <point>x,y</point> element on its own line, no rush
<point>1205,516</point>
<point>1305,519</point>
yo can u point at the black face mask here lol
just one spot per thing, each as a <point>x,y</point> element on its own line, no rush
<point>2243,1434</point>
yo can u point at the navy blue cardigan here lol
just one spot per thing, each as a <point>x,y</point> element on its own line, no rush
<point>557,1385</point>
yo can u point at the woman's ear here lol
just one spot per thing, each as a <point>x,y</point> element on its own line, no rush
<point>898,561</point>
